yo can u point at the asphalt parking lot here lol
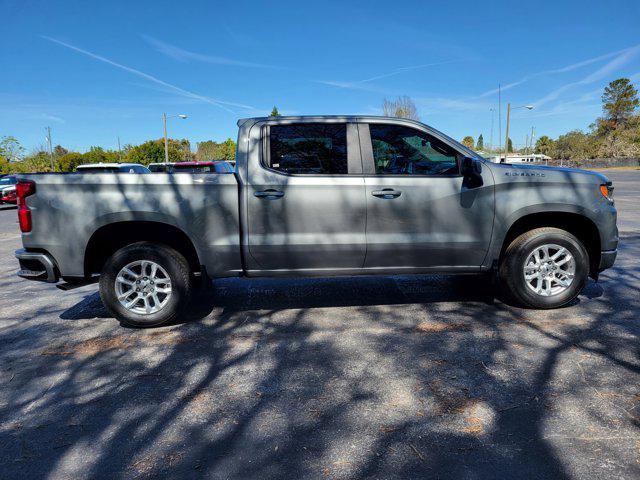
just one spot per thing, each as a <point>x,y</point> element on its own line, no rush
<point>392,377</point>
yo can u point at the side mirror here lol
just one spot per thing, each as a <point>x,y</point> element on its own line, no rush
<point>471,167</point>
<point>472,171</point>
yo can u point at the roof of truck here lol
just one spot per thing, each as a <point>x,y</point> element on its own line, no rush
<point>307,118</point>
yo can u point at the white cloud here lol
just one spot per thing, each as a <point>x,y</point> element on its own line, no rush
<point>568,68</point>
<point>599,74</point>
<point>182,55</point>
<point>53,118</point>
<point>180,91</point>
<point>361,84</point>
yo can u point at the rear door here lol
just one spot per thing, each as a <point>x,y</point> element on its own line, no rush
<point>420,212</point>
<point>306,199</point>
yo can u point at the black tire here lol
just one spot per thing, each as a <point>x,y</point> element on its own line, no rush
<point>170,260</point>
<point>515,256</point>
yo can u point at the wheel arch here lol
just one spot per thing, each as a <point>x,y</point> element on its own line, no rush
<point>574,222</point>
<point>109,238</point>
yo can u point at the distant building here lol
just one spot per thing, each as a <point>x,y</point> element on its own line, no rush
<point>520,158</point>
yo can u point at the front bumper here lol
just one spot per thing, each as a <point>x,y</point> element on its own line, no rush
<point>38,266</point>
<point>607,258</point>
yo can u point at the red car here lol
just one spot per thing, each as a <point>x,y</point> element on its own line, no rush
<point>216,166</point>
<point>8,190</point>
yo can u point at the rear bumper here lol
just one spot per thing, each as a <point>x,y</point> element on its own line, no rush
<point>37,266</point>
<point>607,258</point>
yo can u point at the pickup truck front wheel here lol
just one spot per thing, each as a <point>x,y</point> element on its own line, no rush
<point>145,284</point>
<point>545,268</point>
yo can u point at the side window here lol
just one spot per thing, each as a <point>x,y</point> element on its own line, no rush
<point>309,148</point>
<point>400,150</point>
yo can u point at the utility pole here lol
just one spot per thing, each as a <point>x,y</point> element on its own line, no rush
<point>166,142</point>
<point>506,140</point>
<point>50,147</point>
<point>491,136</point>
<point>119,150</point>
<point>533,135</point>
<point>500,119</point>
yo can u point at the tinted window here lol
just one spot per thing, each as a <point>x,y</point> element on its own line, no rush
<point>195,168</point>
<point>399,150</point>
<point>160,168</point>
<point>309,148</point>
<point>8,181</point>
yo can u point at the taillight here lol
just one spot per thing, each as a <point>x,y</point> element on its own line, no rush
<point>24,188</point>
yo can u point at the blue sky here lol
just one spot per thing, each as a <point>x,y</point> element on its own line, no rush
<point>94,71</point>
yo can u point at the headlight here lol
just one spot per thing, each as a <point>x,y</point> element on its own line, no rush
<point>606,189</point>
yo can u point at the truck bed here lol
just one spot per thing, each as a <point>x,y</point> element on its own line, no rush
<point>68,209</point>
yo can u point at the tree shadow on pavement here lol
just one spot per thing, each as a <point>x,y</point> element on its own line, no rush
<point>392,377</point>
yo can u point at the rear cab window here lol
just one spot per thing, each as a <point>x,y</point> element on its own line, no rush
<point>308,149</point>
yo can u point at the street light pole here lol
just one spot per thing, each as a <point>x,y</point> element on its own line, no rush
<point>50,147</point>
<point>166,140</point>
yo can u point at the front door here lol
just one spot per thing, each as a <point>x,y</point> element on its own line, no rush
<point>420,212</point>
<point>306,200</point>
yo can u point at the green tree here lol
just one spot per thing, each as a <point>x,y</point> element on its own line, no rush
<point>274,112</point>
<point>152,151</point>
<point>100,155</point>
<point>210,150</point>
<point>11,149</point>
<point>228,150</point>
<point>468,141</point>
<point>5,166</point>
<point>69,161</point>
<point>545,146</point>
<point>206,150</point>
<point>575,145</point>
<point>619,101</point>
<point>59,151</point>
<point>480,143</point>
<point>36,162</point>
<point>509,145</point>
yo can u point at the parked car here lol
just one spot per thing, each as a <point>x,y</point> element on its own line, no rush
<point>8,195</point>
<point>8,189</point>
<point>540,230</point>
<point>112,168</point>
<point>164,167</point>
<point>215,166</point>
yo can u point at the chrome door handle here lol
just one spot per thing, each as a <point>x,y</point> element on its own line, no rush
<point>269,194</point>
<point>386,193</point>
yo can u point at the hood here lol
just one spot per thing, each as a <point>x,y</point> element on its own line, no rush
<point>544,172</point>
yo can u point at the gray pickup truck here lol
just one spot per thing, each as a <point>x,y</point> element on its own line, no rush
<point>328,195</point>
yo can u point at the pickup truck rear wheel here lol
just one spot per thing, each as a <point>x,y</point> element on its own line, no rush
<point>146,284</point>
<point>545,268</point>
